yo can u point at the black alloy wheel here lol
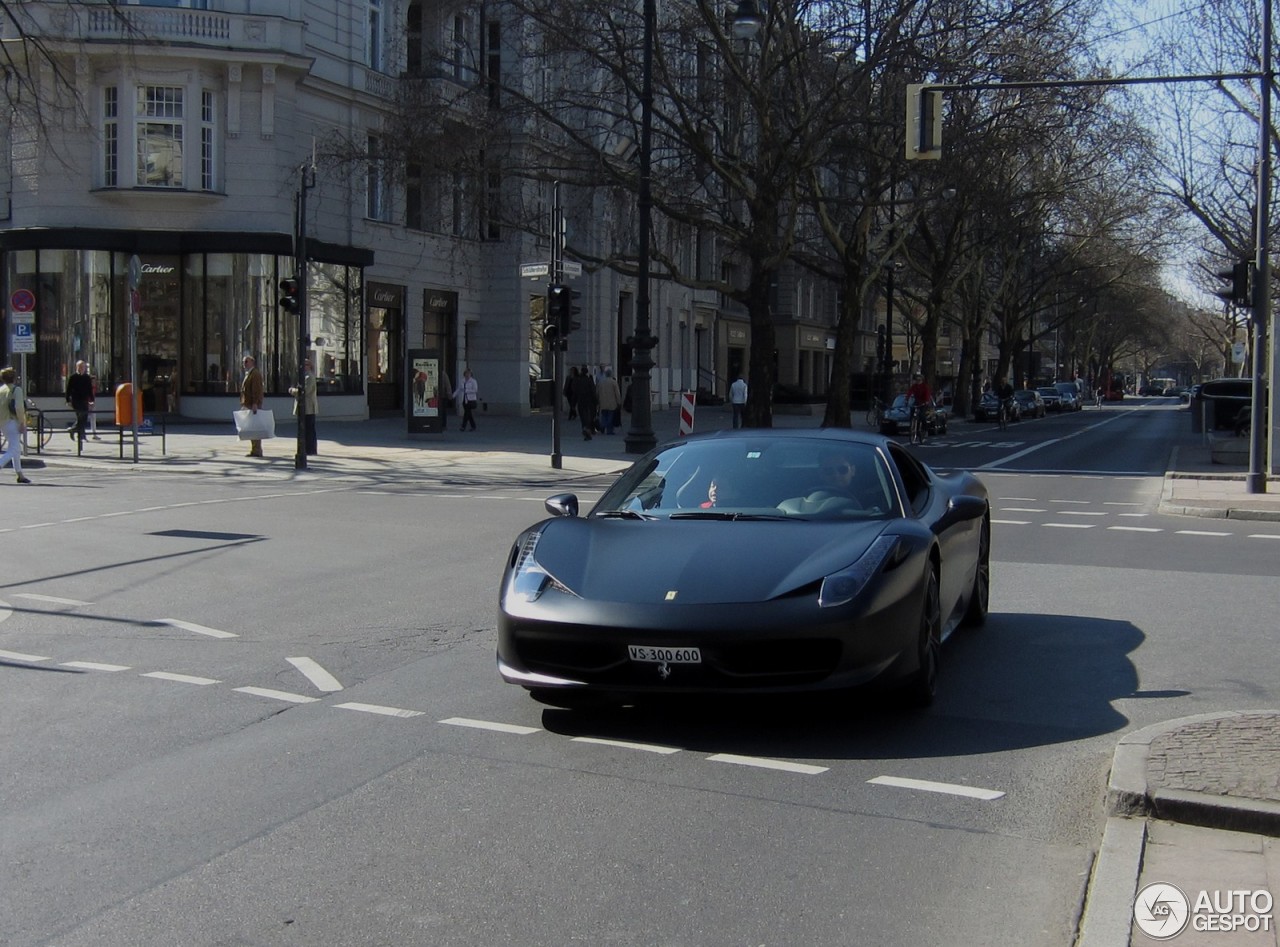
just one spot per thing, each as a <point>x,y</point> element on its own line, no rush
<point>980,595</point>
<point>922,686</point>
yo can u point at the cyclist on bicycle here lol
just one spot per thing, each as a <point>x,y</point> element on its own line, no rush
<point>920,398</point>
<point>1004,391</point>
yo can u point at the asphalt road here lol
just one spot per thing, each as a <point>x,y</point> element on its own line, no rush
<point>241,711</point>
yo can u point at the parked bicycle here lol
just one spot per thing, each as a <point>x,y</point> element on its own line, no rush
<point>38,426</point>
<point>875,413</point>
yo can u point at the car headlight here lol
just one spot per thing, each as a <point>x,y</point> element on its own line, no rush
<point>842,587</point>
<point>528,578</point>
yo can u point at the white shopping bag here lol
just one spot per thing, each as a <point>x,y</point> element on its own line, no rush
<point>252,426</point>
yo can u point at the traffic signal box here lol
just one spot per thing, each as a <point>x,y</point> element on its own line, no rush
<point>289,295</point>
<point>1239,280</point>
<point>560,314</point>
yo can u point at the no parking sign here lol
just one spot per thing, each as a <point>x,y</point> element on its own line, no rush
<point>22,340</point>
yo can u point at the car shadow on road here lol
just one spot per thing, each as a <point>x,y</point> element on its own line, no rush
<point>1023,680</point>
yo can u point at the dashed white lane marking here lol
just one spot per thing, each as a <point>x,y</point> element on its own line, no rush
<point>317,675</point>
<point>488,725</point>
<point>761,762</point>
<point>1200,532</point>
<point>95,666</point>
<point>1021,509</point>
<point>1136,529</point>
<point>276,695</point>
<point>193,627</point>
<point>51,599</point>
<point>1079,502</point>
<point>1263,536</point>
<point>1013,522</point>
<point>19,656</point>
<point>180,678</point>
<point>1119,503</point>
<point>1082,512</point>
<point>379,709</point>
<point>1069,525</point>
<point>925,785</point>
<point>627,745</point>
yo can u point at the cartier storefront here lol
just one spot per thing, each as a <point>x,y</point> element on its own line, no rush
<point>199,313</point>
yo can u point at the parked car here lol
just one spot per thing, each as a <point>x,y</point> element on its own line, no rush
<point>852,561</point>
<point>1069,388</point>
<point>1051,398</point>
<point>1030,404</point>
<point>897,418</point>
<point>988,408</point>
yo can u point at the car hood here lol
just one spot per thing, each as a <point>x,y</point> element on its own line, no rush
<point>700,561</point>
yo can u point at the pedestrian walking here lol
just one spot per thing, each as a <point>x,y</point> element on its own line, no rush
<point>13,420</point>
<point>307,397</point>
<point>584,395</point>
<point>569,396</point>
<point>469,393</point>
<point>738,398</point>
<point>444,398</point>
<point>80,396</point>
<point>609,400</point>
<point>252,393</point>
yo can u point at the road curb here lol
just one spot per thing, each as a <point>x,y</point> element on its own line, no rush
<point>1128,794</point>
<point>1107,918</point>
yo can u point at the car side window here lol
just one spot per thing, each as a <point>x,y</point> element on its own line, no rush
<point>914,478</point>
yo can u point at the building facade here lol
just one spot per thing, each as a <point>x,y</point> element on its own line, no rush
<point>157,167</point>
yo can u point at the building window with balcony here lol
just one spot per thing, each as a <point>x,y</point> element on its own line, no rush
<point>373,34</point>
<point>493,63</point>
<point>110,136</point>
<point>159,127</point>
<point>208,173</point>
<point>460,51</point>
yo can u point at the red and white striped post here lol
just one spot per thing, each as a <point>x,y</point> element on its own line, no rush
<point>686,412</point>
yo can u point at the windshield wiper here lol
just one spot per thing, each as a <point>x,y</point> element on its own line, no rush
<point>725,515</point>
<point>625,515</point>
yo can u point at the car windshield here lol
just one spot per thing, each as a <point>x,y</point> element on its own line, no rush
<point>750,477</point>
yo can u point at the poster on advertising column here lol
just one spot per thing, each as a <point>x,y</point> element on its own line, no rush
<point>426,400</point>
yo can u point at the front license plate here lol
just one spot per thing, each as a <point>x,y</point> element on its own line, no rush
<point>644,652</point>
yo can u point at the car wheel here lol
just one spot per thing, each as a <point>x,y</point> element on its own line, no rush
<point>980,595</point>
<point>922,685</point>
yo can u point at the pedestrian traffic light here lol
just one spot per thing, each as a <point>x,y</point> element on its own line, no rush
<point>289,300</point>
<point>1239,281</point>
<point>561,309</point>
<point>924,122</point>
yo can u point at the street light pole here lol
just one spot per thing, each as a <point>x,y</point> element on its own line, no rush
<point>307,181</point>
<point>640,438</point>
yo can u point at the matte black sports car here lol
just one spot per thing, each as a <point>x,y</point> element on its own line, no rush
<point>748,561</point>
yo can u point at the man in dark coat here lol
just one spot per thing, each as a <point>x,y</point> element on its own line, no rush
<point>79,396</point>
<point>584,397</point>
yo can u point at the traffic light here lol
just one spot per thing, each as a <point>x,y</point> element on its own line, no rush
<point>561,310</point>
<point>924,122</point>
<point>289,300</point>
<point>1240,280</point>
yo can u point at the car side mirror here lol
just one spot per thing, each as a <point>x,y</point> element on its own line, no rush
<point>562,504</point>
